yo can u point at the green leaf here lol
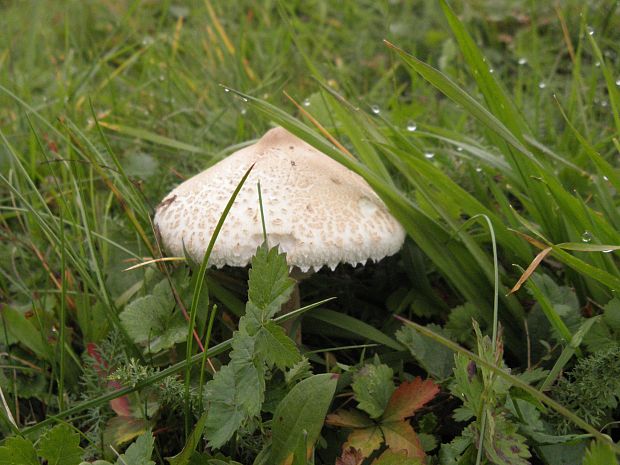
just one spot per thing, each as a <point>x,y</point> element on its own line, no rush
<point>153,321</point>
<point>275,347</point>
<point>599,453</point>
<point>373,386</point>
<point>235,393</point>
<point>392,457</point>
<point>503,445</point>
<point>299,418</point>
<point>61,446</point>
<point>140,452</point>
<point>24,330</point>
<point>434,357</point>
<point>18,451</point>
<point>269,282</point>
<point>184,457</point>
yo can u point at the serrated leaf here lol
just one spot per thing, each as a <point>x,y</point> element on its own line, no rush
<point>61,446</point>
<point>152,320</point>
<point>503,445</point>
<point>349,419</point>
<point>451,453</point>
<point>459,321</point>
<point>235,393</point>
<point>392,457</point>
<point>269,282</point>
<point>373,387</point>
<point>275,348</point>
<point>435,358</point>
<point>408,398</point>
<point>299,371</point>
<point>18,451</point>
<point>366,440</point>
<point>600,453</point>
<point>299,417</point>
<point>399,435</point>
<point>140,452</point>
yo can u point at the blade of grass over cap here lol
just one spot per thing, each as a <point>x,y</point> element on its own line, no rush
<point>198,292</point>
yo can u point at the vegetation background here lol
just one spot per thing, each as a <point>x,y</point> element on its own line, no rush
<point>491,130</point>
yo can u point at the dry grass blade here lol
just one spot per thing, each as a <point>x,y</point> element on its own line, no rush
<point>530,269</point>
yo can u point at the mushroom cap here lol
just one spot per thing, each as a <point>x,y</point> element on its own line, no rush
<point>319,212</point>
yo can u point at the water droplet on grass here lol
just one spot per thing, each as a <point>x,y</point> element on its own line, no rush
<point>597,64</point>
<point>162,77</point>
<point>226,89</point>
<point>411,126</point>
<point>478,170</point>
<point>375,109</point>
<point>586,237</point>
<point>590,30</point>
<point>306,103</point>
<point>542,85</point>
<point>522,61</point>
<point>429,155</point>
<point>459,149</point>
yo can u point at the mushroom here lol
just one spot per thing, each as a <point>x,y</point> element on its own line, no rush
<point>316,210</point>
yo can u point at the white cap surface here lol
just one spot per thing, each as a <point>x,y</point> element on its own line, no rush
<point>319,212</point>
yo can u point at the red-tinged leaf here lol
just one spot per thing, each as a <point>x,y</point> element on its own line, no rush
<point>121,405</point>
<point>399,435</point>
<point>366,440</point>
<point>349,419</point>
<point>391,457</point>
<point>350,456</point>
<point>120,430</point>
<point>409,397</point>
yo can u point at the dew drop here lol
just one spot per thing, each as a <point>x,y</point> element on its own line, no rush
<point>244,111</point>
<point>590,30</point>
<point>429,155</point>
<point>597,64</point>
<point>608,251</point>
<point>522,61</point>
<point>306,103</point>
<point>605,178</point>
<point>226,89</point>
<point>162,77</point>
<point>542,85</point>
<point>586,237</point>
<point>375,109</point>
<point>459,149</point>
<point>411,126</point>
<point>478,170</point>
<point>604,103</point>
<point>491,70</point>
<point>618,82</point>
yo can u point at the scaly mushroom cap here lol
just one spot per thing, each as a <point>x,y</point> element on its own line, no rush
<point>319,212</point>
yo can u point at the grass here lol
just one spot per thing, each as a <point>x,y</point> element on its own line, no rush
<point>491,131</point>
